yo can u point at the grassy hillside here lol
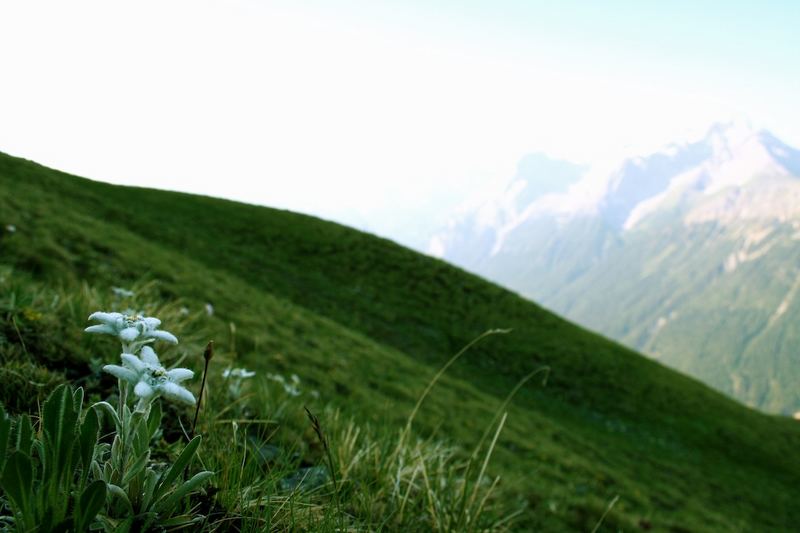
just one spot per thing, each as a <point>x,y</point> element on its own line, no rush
<point>367,323</point>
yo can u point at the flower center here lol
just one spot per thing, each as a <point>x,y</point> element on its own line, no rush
<point>131,320</point>
<point>157,375</point>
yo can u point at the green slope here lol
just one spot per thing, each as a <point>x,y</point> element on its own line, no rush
<point>368,322</point>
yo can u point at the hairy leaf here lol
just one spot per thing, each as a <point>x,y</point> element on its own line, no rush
<point>88,440</point>
<point>178,466</point>
<point>23,434</point>
<point>5,434</point>
<point>18,485</point>
<point>90,502</point>
<point>174,497</point>
<point>108,409</point>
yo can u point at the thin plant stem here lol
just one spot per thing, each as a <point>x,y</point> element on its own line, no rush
<point>486,461</point>
<point>441,372</point>
<point>608,510</point>
<point>207,355</point>
<point>315,424</point>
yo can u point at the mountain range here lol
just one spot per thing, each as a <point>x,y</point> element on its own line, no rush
<point>690,255</point>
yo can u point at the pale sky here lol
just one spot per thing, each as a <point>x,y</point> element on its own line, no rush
<point>382,115</point>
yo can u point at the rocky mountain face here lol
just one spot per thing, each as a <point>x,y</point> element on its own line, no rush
<point>691,255</point>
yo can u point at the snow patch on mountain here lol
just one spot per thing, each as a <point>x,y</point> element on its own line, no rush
<point>774,199</point>
<point>714,178</point>
<point>739,155</point>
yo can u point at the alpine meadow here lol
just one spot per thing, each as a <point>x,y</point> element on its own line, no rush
<point>352,385</point>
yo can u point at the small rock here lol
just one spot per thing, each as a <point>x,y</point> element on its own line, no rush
<point>305,479</point>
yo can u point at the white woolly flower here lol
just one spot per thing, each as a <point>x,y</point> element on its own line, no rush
<point>130,328</point>
<point>121,292</point>
<point>292,388</point>
<point>150,379</point>
<point>235,378</point>
<point>239,373</point>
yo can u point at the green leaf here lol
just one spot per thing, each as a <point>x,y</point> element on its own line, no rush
<point>136,468</point>
<point>108,472</point>
<point>126,415</point>
<point>5,435</point>
<point>105,407</point>
<point>154,420</point>
<point>150,484</point>
<point>116,525</point>
<point>97,472</point>
<point>178,466</point>
<point>116,490</point>
<point>174,497</point>
<point>89,504</point>
<point>179,521</point>
<point>23,434</point>
<point>102,449</point>
<point>37,448</point>
<point>59,420</point>
<point>88,440</point>
<point>141,432</point>
<point>18,485</point>
<point>125,525</point>
<point>116,451</point>
<point>148,519</point>
<point>77,400</point>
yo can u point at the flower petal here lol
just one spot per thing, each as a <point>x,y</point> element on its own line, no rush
<point>176,392</point>
<point>163,335</point>
<point>129,334</point>
<point>101,328</point>
<point>151,322</point>
<point>176,375</point>
<point>133,362</point>
<point>143,390</point>
<point>108,318</point>
<point>122,373</point>
<point>149,356</point>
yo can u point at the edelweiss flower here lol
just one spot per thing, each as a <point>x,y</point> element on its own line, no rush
<point>240,373</point>
<point>152,380</point>
<point>121,293</point>
<point>130,328</point>
<point>235,378</point>
<point>292,388</point>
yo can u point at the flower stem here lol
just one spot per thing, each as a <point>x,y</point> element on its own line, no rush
<point>323,439</point>
<point>207,355</point>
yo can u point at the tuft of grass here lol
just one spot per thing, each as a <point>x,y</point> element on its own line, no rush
<point>25,385</point>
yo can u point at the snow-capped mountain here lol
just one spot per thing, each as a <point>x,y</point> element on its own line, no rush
<point>728,158</point>
<point>699,241</point>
